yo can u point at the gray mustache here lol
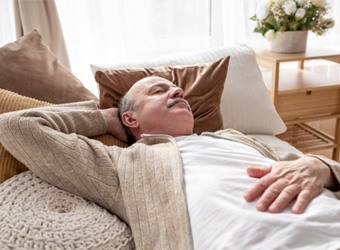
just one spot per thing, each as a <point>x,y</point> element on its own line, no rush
<point>174,101</point>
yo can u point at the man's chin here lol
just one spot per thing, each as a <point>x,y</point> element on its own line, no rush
<point>183,111</point>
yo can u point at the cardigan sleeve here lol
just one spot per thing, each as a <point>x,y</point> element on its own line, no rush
<point>335,168</point>
<point>53,142</point>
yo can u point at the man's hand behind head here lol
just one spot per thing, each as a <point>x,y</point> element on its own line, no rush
<point>114,125</point>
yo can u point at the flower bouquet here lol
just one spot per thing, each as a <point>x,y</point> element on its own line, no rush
<point>274,16</point>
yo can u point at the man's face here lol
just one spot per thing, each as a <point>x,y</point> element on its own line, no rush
<point>160,108</point>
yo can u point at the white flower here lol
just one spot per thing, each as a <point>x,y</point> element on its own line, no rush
<point>300,13</point>
<point>267,2</point>
<point>301,2</point>
<point>319,3</point>
<point>262,11</point>
<point>289,7</point>
<point>270,35</point>
<point>291,15</point>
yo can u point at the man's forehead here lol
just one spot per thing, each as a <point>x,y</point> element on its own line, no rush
<point>150,82</point>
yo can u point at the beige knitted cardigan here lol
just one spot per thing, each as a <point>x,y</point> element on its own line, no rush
<point>141,184</point>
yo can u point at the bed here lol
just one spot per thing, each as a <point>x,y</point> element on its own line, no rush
<point>37,215</point>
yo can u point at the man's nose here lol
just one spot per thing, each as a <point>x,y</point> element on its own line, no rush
<point>176,92</point>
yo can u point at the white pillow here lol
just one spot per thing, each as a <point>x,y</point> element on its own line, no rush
<point>245,103</point>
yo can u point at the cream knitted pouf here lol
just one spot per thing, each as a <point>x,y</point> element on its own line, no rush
<point>36,215</point>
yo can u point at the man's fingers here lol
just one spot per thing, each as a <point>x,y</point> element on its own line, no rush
<point>258,188</point>
<point>258,171</point>
<point>284,198</point>
<point>302,201</point>
<point>270,195</point>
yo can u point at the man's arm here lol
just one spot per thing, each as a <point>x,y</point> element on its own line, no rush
<point>53,142</point>
<point>284,181</point>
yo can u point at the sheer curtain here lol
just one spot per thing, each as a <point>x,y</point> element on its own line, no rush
<point>106,31</point>
<point>7,25</point>
<point>237,26</point>
<point>43,16</point>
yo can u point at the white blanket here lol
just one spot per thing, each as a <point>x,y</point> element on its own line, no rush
<point>221,219</point>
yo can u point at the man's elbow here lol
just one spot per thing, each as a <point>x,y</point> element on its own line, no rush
<point>11,126</point>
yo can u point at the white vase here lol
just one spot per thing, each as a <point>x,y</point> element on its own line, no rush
<point>289,42</point>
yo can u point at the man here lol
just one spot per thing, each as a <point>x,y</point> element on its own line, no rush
<point>145,184</point>
<point>155,106</point>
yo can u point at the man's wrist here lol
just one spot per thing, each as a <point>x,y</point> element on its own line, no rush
<point>331,182</point>
<point>107,114</point>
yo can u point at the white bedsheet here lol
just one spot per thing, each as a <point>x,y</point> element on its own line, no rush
<point>221,219</point>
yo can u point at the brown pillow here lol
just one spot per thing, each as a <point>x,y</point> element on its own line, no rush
<point>10,101</point>
<point>29,68</point>
<point>202,84</point>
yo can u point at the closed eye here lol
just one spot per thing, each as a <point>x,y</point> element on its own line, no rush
<point>158,89</point>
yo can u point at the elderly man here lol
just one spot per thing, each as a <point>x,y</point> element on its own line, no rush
<point>166,183</point>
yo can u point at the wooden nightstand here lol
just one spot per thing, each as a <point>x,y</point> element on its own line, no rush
<point>302,96</point>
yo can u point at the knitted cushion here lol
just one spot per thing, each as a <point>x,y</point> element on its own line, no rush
<point>36,215</point>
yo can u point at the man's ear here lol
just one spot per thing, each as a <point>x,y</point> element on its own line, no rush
<point>129,120</point>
